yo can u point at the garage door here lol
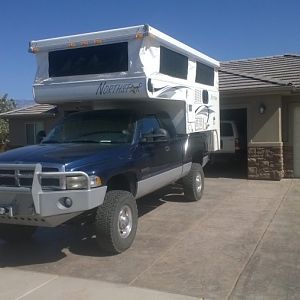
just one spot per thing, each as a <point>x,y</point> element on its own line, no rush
<point>297,141</point>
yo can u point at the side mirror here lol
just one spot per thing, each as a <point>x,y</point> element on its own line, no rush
<point>159,135</point>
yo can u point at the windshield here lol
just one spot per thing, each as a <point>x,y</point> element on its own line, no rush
<point>94,127</point>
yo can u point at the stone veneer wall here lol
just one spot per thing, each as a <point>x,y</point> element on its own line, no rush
<point>265,162</point>
<point>288,161</point>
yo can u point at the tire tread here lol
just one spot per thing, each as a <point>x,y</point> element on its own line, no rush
<point>104,221</point>
<point>189,182</point>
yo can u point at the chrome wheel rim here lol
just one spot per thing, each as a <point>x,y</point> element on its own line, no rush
<point>198,183</point>
<point>125,221</point>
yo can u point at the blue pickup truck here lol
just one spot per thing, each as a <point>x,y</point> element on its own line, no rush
<point>97,162</point>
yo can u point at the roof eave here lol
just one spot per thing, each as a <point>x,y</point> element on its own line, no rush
<point>29,116</point>
<point>282,90</point>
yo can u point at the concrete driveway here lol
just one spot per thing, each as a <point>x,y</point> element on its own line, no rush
<point>241,241</point>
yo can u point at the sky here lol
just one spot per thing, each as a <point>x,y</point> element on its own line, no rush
<point>222,29</point>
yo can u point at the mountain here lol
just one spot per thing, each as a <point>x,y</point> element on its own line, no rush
<point>23,103</point>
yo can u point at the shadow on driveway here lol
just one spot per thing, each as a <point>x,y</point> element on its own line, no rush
<point>227,168</point>
<point>49,244</point>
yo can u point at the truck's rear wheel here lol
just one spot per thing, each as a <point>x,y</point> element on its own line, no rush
<point>116,222</point>
<point>16,233</point>
<point>193,183</point>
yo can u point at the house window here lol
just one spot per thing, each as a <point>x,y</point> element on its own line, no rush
<point>33,132</point>
<point>205,74</point>
<point>101,59</point>
<point>173,64</point>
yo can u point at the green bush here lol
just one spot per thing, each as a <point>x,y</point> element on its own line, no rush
<point>6,105</point>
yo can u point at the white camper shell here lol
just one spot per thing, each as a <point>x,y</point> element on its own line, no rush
<point>135,63</point>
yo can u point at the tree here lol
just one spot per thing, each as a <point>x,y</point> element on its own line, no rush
<point>6,105</point>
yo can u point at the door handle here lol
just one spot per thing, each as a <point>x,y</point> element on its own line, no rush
<point>167,148</point>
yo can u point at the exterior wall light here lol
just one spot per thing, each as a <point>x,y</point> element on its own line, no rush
<point>262,109</point>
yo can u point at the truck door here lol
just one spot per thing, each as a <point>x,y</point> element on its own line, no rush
<point>161,156</point>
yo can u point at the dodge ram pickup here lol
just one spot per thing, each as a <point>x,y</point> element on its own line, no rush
<point>97,161</point>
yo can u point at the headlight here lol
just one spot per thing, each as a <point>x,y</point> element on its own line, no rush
<point>81,182</point>
<point>77,183</point>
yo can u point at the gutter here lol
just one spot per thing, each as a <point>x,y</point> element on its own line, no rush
<point>287,90</point>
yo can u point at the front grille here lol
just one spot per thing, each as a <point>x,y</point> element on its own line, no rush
<point>26,181</point>
<point>7,181</point>
<point>7,178</point>
<point>24,178</point>
<point>7,172</point>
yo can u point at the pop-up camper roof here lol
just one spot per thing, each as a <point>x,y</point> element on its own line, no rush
<point>127,63</point>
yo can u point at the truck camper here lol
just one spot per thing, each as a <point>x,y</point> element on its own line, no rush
<point>146,114</point>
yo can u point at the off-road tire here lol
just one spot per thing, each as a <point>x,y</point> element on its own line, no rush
<point>193,183</point>
<point>16,233</point>
<point>107,222</point>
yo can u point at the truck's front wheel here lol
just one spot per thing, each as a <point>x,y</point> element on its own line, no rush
<point>116,222</point>
<point>193,183</point>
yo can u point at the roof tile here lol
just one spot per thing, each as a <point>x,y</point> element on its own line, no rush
<point>34,110</point>
<point>265,72</point>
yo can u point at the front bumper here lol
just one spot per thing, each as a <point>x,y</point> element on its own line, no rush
<point>39,207</point>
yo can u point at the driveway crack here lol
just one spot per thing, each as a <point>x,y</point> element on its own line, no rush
<point>36,288</point>
<point>284,197</point>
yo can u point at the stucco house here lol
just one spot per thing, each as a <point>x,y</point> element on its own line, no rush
<point>26,124</point>
<point>262,95</point>
<point>266,92</point>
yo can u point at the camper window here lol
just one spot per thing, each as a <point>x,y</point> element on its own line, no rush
<point>101,59</point>
<point>205,74</point>
<point>173,63</point>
